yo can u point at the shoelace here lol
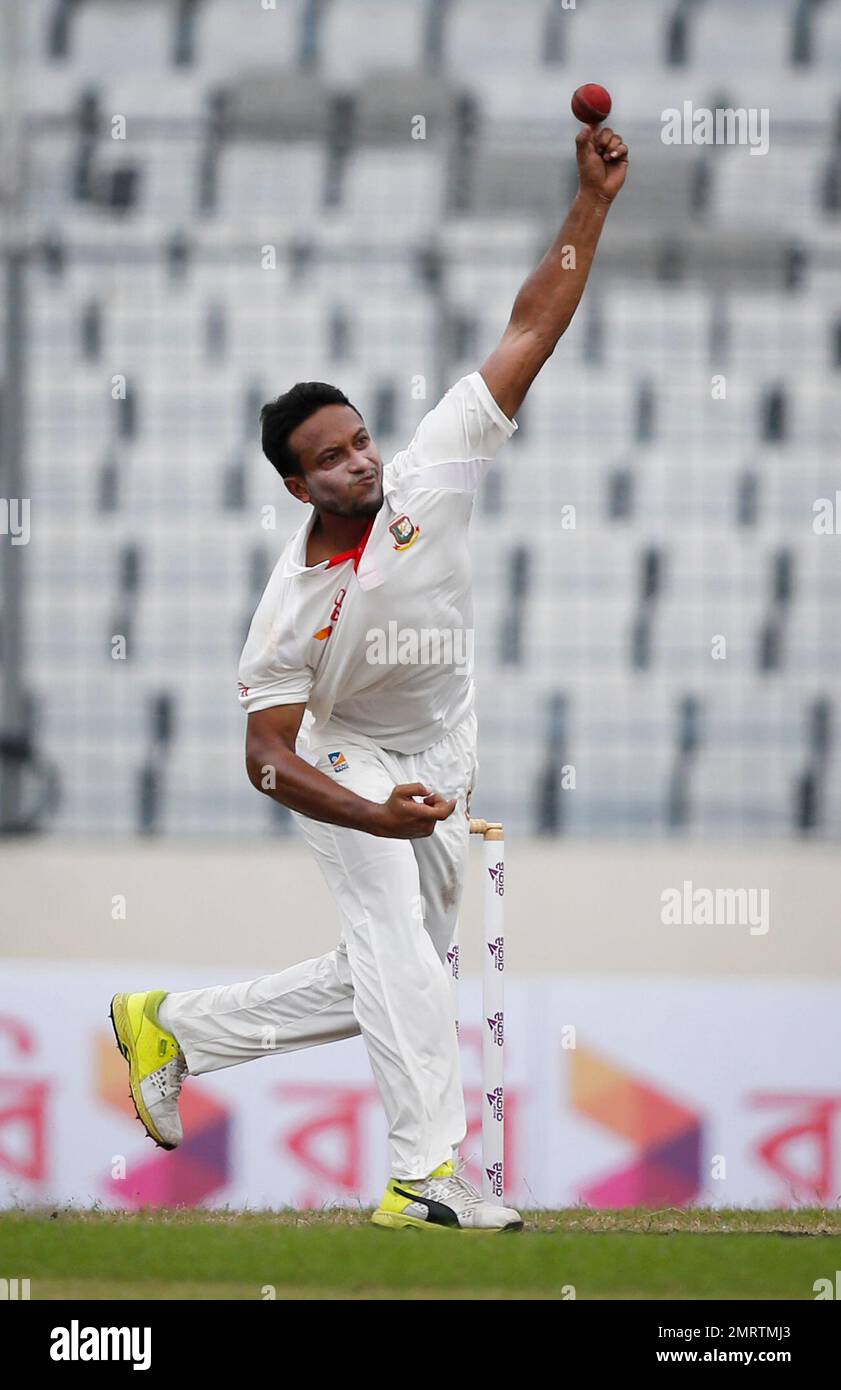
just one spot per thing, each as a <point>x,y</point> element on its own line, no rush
<point>169,1078</point>
<point>454,1187</point>
<point>179,1071</point>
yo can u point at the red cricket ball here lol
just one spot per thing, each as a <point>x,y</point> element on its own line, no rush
<point>591,103</point>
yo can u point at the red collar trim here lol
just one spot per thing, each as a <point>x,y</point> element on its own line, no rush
<point>355,554</point>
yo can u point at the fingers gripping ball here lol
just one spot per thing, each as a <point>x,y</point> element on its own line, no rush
<point>591,103</point>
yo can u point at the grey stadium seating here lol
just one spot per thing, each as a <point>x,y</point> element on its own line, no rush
<point>269,218</point>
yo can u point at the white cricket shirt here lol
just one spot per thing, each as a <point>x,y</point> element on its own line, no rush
<point>379,641</point>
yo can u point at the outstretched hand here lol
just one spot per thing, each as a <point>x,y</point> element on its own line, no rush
<point>602,161</point>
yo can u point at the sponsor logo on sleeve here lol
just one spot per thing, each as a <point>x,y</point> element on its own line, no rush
<point>324,632</point>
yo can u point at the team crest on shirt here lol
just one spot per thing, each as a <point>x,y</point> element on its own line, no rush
<point>404,531</point>
<point>338,762</point>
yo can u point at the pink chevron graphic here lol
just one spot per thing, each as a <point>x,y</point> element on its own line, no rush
<point>200,1166</point>
<point>668,1168</point>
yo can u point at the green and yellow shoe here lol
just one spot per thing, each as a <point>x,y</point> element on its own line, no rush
<point>443,1201</point>
<point>156,1064</point>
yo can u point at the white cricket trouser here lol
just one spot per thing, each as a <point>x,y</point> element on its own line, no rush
<point>387,979</point>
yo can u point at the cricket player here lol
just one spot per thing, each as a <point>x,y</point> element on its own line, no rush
<point>376,755</point>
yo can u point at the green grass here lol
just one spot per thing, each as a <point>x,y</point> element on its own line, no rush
<point>188,1254</point>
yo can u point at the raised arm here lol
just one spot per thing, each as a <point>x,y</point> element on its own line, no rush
<point>548,299</point>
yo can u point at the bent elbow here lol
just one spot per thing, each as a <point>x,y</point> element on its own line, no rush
<point>257,768</point>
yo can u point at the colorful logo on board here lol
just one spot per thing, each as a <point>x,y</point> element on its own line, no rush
<point>201,1165</point>
<point>666,1134</point>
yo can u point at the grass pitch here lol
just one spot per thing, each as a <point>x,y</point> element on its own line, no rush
<point>183,1253</point>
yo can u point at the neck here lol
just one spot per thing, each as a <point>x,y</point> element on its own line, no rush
<point>331,535</point>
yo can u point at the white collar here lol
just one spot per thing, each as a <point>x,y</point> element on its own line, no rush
<point>367,574</point>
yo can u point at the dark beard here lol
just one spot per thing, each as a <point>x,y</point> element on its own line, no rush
<point>360,508</point>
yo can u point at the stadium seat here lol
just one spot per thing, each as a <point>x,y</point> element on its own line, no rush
<point>787,180</point>
<point>180,94</point>
<point>397,262</point>
<point>491,35</point>
<point>271,182</point>
<point>827,38</point>
<point>272,37</point>
<point>721,36</point>
<point>535,185</point>
<point>387,107</point>
<point>402,188</point>
<point>573,406</point>
<point>357,36</point>
<point>768,333</point>
<point>259,108</point>
<point>640,329</point>
<point>598,39</point>
<point>110,36</point>
<point>665,191</point>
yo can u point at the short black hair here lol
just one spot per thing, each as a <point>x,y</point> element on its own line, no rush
<point>279,418</point>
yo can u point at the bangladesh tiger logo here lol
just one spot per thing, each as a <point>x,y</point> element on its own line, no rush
<point>404,531</point>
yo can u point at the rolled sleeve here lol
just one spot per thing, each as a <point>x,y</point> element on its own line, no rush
<point>253,698</point>
<point>271,670</point>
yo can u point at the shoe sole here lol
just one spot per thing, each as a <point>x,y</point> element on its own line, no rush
<point>125,1042</point>
<point>392,1221</point>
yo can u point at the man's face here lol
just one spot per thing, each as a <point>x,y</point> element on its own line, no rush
<point>341,470</point>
